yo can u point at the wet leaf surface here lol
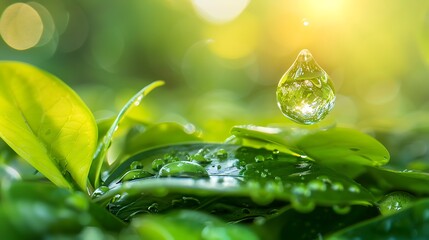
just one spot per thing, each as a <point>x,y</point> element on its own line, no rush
<point>266,178</point>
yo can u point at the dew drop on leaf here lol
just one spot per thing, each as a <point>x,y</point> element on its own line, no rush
<point>99,191</point>
<point>183,169</point>
<point>337,186</point>
<point>394,202</point>
<point>305,93</point>
<point>301,199</point>
<point>354,189</point>
<point>157,164</point>
<point>154,208</point>
<point>316,185</point>
<point>136,165</point>
<point>135,174</point>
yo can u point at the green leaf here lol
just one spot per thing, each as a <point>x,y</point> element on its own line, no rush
<point>342,145</point>
<point>283,136</point>
<point>387,179</point>
<point>345,150</point>
<point>409,223</point>
<point>103,146</point>
<point>46,123</point>
<point>225,173</point>
<point>291,224</point>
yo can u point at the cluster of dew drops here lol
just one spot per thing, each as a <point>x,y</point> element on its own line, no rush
<point>185,165</point>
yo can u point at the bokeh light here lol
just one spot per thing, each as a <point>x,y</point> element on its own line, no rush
<point>21,26</point>
<point>219,11</point>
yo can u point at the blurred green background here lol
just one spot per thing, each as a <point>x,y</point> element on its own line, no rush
<point>222,59</point>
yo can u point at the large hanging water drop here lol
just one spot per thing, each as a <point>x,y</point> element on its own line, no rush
<point>305,93</point>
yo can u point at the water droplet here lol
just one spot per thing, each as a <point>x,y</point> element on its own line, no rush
<point>341,209</point>
<point>316,185</point>
<point>222,153</point>
<point>305,93</point>
<point>191,201</point>
<point>337,186</point>
<point>183,169</point>
<point>199,157</point>
<point>324,179</point>
<point>275,187</point>
<point>135,174</point>
<point>136,165</point>
<point>276,152</point>
<point>300,199</point>
<point>259,158</point>
<point>258,194</point>
<point>154,208</point>
<point>301,190</point>
<point>115,198</point>
<point>263,175</point>
<point>394,202</point>
<point>99,191</point>
<point>354,189</point>
<point>157,164</point>
<point>245,211</point>
<point>138,100</point>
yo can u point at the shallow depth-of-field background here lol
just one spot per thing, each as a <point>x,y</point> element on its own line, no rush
<point>222,60</point>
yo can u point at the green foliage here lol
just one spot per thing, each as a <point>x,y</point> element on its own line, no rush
<point>167,183</point>
<point>40,210</point>
<point>46,123</point>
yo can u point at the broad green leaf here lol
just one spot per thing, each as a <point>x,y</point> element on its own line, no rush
<point>212,176</point>
<point>285,136</point>
<point>46,123</point>
<point>345,150</point>
<point>190,225</point>
<point>103,146</point>
<point>341,145</point>
<point>409,223</point>
<point>416,182</point>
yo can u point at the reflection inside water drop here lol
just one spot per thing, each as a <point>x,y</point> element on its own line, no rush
<point>305,93</point>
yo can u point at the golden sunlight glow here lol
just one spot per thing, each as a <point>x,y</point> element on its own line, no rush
<point>235,40</point>
<point>219,11</point>
<point>326,6</point>
<point>21,26</point>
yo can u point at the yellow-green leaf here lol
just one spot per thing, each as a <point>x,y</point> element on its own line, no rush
<point>46,123</point>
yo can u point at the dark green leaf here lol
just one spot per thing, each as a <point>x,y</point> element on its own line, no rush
<point>234,171</point>
<point>410,223</point>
